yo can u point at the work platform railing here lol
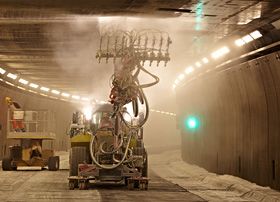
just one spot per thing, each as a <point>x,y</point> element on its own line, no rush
<point>39,124</point>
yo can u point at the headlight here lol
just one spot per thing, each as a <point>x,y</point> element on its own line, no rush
<point>87,111</point>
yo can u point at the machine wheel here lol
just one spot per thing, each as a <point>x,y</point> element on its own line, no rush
<point>136,184</point>
<point>72,184</point>
<point>53,163</point>
<point>146,186</point>
<point>126,181</point>
<point>130,185</point>
<point>142,186</point>
<point>7,164</point>
<point>77,156</point>
<point>83,185</point>
<point>145,167</point>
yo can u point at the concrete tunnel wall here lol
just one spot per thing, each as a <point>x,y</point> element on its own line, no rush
<point>239,111</point>
<point>28,101</point>
<point>160,133</point>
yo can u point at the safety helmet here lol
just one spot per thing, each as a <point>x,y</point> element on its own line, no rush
<point>8,100</point>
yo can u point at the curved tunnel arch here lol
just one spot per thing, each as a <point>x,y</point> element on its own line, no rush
<point>240,121</point>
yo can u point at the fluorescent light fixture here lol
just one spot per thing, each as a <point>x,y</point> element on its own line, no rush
<point>76,97</point>
<point>56,92</point>
<point>189,70</point>
<point>244,22</point>
<point>85,99</point>
<point>33,85</point>
<point>205,60</point>
<point>181,76</point>
<point>224,50</point>
<point>176,81</point>
<point>247,38</point>
<point>32,91</point>
<point>12,76</point>
<point>7,82</point>
<point>103,19</point>
<point>65,94</point>
<point>21,88</point>
<point>2,71</point>
<point>219,53</point>
<point>53,97</point>
<point>23,81</point>
<point>215,54</point>
<point>198,64</point>
<point>256,34</point>
<point>44,89</point>
<point>87,111</point>
<point>239,42</point>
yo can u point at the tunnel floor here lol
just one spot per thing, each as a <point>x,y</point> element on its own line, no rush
<point>171,179</point>
<point>53,186</point>
<point>159,190</point>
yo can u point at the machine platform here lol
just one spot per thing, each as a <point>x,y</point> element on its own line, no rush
<point>31,135</point>
<point>31,125</point>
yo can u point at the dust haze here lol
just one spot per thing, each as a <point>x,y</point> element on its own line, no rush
<point>80,41</point>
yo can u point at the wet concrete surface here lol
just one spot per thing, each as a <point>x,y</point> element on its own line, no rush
<point>159,190</point>
<point>53,186</point>
<point>40,186</point>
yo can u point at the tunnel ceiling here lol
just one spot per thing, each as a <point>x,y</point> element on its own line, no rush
<point>32,32</point>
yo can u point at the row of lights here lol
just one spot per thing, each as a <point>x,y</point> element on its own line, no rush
<point>55,92</point>
<point>163,112</point>
<point>34,86</point>
<point>248,38</point>
<point>216,55</point>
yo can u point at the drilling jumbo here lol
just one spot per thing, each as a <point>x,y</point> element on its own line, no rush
<point>107,139</point>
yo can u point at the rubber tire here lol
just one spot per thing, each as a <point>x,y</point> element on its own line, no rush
<point>77,156</point>
<point>126,181</point>
<point>135,107</point>
<point>53,163</point>
<point>83,185</point>
<point>7,164</point>
<point>72,184</point>
<point>145,167</point>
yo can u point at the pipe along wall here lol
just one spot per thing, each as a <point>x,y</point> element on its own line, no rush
<point>239,114</point>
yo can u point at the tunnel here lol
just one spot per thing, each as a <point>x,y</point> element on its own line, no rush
<point>138,100</point>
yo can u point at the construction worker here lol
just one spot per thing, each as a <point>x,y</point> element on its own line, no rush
<point>16,114</point>
<point>36,149</point>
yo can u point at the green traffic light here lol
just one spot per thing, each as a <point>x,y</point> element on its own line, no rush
<point>192,123</point>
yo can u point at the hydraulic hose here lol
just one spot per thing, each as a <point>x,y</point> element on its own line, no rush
<point>110,152</point>
<point>106,166</point>
<point>145,119</point>
<point>126,161</point>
